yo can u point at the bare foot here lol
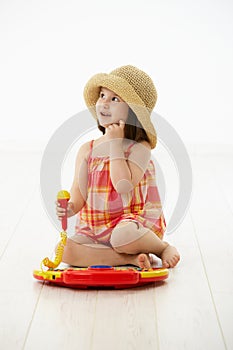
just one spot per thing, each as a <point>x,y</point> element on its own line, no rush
<point>143,260</point>
<point>170,256</point>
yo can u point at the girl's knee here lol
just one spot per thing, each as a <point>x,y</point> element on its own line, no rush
<point>125,233</point>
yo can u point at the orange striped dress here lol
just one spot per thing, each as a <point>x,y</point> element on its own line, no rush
<point>105,208</point>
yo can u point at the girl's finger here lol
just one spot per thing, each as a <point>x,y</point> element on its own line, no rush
<point>61,210</point>
<point>122,124</point>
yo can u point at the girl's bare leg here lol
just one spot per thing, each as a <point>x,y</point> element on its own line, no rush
<point>128,238</point>
<point>97,254</point>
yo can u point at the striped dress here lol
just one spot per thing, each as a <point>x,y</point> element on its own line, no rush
<point>105,208</point>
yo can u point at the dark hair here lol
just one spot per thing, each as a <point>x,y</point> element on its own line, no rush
<point>133,128</point>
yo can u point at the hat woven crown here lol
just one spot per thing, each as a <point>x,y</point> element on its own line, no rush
<point>141,83</point>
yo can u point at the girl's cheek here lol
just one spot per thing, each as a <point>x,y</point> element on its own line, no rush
<point>97,106</point>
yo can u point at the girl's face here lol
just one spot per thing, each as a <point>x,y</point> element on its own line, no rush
<point>110,108</point>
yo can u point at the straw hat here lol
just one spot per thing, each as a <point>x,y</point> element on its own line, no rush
<point>134,86</point>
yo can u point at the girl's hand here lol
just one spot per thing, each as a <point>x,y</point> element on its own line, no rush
<point>115,131</point>
<point>61,212</point>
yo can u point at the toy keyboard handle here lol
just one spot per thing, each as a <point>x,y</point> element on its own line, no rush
<point>63,199</point>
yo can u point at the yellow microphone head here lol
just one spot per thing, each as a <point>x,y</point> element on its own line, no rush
<point>63,195</point>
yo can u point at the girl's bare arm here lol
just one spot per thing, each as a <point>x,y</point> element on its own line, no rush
<point>126,173</point>
<point>78,192</point>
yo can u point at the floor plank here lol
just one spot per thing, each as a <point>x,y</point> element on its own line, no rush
<point>19,294</point>
<point>64,319</point>
<point>126,319</point>
<point>186,313</point>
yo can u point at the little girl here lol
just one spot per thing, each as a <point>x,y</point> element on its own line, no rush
<point>114,193</point>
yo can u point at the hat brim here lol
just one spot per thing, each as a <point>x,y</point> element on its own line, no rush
<point>124,90</point>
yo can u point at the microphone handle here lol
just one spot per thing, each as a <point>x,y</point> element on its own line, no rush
<point>64,204</point>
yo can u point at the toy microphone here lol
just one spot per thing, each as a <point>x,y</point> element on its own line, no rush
<point>63,199</point>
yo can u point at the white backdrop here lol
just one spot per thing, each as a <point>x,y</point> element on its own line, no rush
<point>50,48</point>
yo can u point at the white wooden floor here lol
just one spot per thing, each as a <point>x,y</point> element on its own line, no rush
<point>192,310</point>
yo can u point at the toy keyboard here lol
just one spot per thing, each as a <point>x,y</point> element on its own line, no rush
<point>101,276</point>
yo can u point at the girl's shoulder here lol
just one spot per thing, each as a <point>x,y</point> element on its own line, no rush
<point>145,143</point>
<point>142,146</point>
<point>84,150</point>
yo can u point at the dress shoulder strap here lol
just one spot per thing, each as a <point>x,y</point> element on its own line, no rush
<point>130,146</point>
<point>91,145</point>
<point>90,151</point>
<point>127,151</point>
